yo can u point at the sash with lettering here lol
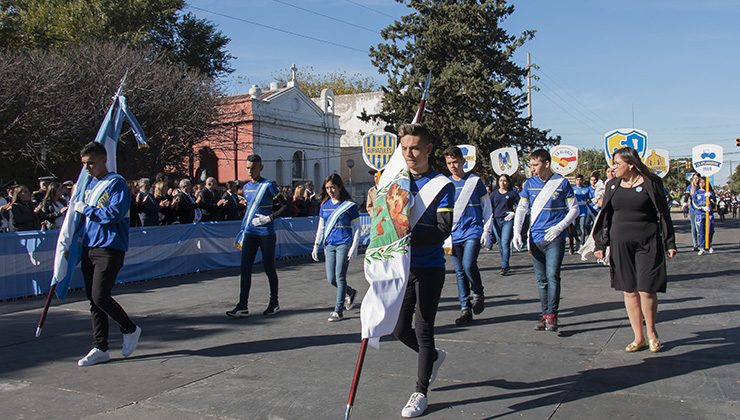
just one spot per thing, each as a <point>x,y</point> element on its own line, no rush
<point>460,204</point>
<point>388,257</point>
<point>249,215</point>
<point>332,220</point>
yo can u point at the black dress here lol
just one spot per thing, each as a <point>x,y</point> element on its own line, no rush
<point>637,260</point>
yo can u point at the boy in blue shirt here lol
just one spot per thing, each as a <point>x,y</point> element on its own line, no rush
<point>469,232</point>
<point>584,195</point>
<point>104,244</point>
<point>553,208</point>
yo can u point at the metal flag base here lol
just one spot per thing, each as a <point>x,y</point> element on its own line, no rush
<point>45,311</point>
<point>355,379</point>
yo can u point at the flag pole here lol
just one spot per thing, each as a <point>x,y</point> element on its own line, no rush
<point>40,325</point>
<point>355,379</point>
<point>706,227</point>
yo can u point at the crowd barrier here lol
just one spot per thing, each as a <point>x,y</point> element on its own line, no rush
<point>27,258</point>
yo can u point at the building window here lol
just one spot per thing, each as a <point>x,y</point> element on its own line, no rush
<point>298,165</point>
<point>317,174</point>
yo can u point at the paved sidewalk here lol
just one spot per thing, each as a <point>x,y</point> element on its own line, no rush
<point>193,362</point>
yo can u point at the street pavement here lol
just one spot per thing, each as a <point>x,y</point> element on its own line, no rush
<point>193,362</point>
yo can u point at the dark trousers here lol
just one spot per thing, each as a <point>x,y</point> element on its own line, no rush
<point>249,252</point>
<point>422,295</point>
<point>100,266</point>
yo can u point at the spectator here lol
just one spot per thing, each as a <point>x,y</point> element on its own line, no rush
<point>298,206</point>
<point>133,190</point>
<point>147,206</point>
<point>20,211</point>
<point>370,200</point>
<point>312,201</point>
<point>38,196</point>
<point>209,202</point>
<point>231,204</point>
<point>66,190</point>
<point>53,208</point>
<point>163,199</point>
<point>183,203</point>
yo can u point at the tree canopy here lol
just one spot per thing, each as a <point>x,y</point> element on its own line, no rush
<point>158,24</point>
<point>341,82</point>
<point>477,92</point>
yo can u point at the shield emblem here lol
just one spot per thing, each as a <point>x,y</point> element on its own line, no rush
<point>707,159</point>
<point>470,155</point>
<point>617,139</point>
<point>505,161</point>
<point>564,159</point>
<point>377,149</point>
<point>658,162</point>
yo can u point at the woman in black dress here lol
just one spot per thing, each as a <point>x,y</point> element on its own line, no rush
<point>635,223</point>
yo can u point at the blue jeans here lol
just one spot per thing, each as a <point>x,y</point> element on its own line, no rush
<point>692,222</point>
<point>582,229</point>
<point>249,253</point>
<point>547,257</point>
<point>465,257</point>
<point>336,271</point>
<point>504,232</point>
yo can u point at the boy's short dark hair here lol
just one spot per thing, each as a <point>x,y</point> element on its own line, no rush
<point>540,154</point>
<point>579,176</point>
<point>453,152</point>
<point>93,149</point>
<point>254,159</point>
<point>419,130</point>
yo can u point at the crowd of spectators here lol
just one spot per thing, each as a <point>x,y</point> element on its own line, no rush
<point>164,201</point>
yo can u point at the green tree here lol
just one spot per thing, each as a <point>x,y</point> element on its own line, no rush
<point>477,89</point>
<point>42,24</point>
<point>340,81</point>
<point>734,183</point>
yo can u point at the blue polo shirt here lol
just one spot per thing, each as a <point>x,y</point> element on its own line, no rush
<point>555,209</point>
<point>341,233</point>
<point>584,195</point>
<point>430,255</point>
<point>470,224</point>
<point>107,221</point>
<point>265,205</point>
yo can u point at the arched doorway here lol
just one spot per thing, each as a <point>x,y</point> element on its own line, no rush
<point>317,178</point>
<point>207,165</point>
<point>297,171</point>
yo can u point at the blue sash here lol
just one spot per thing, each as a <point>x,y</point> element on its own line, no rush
<point>251,211</point>
<point>335,216</point>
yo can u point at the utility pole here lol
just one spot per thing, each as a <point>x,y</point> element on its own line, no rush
<point>529,90</point>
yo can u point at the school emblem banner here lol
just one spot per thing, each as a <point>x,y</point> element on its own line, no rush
<point>707,159</point>
<point>505,161</point>
<point>377,149</point>
<point>470,155</point>
<point>658,162</point>
<point>564,159</point>
<point>617,139</point>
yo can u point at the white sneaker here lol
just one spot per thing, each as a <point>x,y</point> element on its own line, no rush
<point>441,354</point>
<point>130,341</point>
<point>335,316</point>
<point>94,357</point>
<point>416,406</point>
<point>701,252</point>
<point>711,250</point>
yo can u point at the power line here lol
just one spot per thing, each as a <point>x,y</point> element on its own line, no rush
<point>595,130</point>
<point>371,9</point>
<point>602,121</point>
<point>326,16</point>
<point>279,30</point>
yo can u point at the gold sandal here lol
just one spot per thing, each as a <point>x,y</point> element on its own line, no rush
<point>633,347</point>
<point>654,345</point>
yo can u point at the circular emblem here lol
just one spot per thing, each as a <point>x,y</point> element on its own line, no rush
<point>638,189</point>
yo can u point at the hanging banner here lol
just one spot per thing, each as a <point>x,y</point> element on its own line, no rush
<point>504,161</point>
<point>707,159</point>
<point>658,162</point>
<point>617,139</point>
<point>377,149</point>
<point>470,155</point>
<point>564,159</point>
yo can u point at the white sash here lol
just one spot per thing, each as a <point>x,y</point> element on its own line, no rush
<point>425,196</point>
<point>338,212</point>
<point>463,199</point>
<point>251,211</point>
<point>102,186</point>
<point>543,197</point>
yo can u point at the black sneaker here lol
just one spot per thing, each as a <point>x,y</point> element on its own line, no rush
<point>272,309</point>
<point>478,304</point>
<point>505,271</point>
<point>540,324</point>
<point>349,299</point>
<point>551,324</point>
<point>239,311</point>
<point>466,317</point>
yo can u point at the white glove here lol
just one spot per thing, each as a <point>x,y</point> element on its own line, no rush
<point>517,241</point>
<point>261,220</point>
<point>315,253</point>
<point>352,253</point>
<point>485,238</point>
<point>80,207</point>
<point>509,216</point>
<point>552,233</point>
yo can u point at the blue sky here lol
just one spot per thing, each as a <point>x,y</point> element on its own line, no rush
<point>673,61</point>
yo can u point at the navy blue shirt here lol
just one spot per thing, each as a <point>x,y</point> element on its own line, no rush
<point>430,255</point>
<point>503,203</point>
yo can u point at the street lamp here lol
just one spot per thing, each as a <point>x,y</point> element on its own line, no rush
<point>350,165</point>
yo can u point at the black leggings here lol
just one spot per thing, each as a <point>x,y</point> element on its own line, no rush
<point>100,266</point>
<point>422,295</point>
<point>249,251</point>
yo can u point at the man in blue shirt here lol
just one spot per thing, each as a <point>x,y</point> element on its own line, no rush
<point>427,273</point>
<point>469,232</point>
<point>584,195</point>
<point>553,208</point>
<point>260,235</point>
<point>104,244</point>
